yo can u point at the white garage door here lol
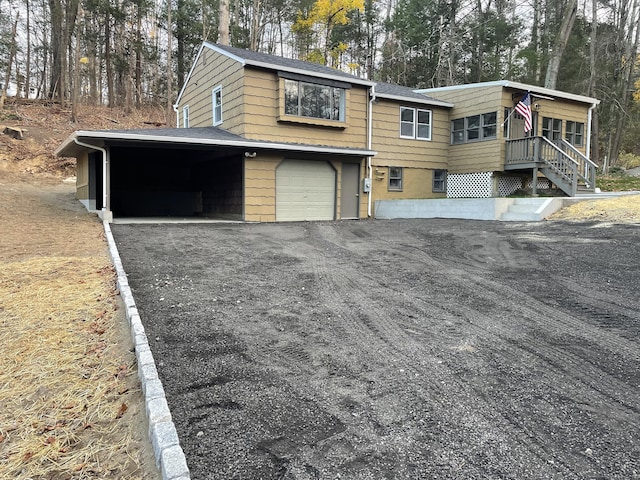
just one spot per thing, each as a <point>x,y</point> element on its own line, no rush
<point>305,190</point>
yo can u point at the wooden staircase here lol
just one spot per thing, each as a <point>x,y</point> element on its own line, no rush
<point>559,161</point>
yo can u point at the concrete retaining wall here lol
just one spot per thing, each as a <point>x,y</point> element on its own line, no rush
<point>462,208</point>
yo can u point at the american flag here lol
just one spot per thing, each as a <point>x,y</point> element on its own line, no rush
<point>524,108</point>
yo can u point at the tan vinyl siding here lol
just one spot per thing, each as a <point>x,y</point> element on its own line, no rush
<point>82,176</point>
<point>211,71</point>
<point>416,183</point>
<point>260,188</point>
<point>403,152</point>
<point>262,95</point>
<point>483,155</point>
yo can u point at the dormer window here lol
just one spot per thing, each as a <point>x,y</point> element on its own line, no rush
<point>304,99</point>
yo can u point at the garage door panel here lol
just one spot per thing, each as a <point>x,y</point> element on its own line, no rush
<point>305,190</point>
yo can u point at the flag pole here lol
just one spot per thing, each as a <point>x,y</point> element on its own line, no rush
<point>511,113</point>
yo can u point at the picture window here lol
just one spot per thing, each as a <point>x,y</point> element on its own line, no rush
<point>315,101</point>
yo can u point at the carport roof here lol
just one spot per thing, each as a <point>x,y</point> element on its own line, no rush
<point>81,140</point>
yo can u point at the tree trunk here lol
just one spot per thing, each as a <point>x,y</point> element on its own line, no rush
<point>562,38</point>
<point>535,42</point>
<point>57,49</point>
<point>27,72</point>
<point>631,51</point>
<point>12,53</point>
<point>255,24</point>
<point>169,66</point>
<point>592,81</point>
<point>223,23</point>
<point>138,65</point>
<point>75,88</point>
<point>108,63</point>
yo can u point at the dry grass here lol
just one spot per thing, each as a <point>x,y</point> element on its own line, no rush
<point>624,209</point>
<point>70,405</point>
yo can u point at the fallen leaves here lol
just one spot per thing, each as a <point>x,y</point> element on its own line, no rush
<point>121,411</point>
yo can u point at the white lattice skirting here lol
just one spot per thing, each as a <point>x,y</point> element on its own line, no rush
<point>487,185</point>
<point>470,185</point>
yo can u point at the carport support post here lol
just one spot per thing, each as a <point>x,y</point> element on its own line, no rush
<point>107,214</point>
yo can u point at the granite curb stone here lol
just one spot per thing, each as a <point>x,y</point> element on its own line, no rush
<point>170,457</point>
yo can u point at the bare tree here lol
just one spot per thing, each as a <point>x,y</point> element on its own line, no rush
<point>570,13</point>
<point>12,54</point>
<point>169,66</point>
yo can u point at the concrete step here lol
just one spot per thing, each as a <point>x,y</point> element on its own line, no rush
<point>526,210</point>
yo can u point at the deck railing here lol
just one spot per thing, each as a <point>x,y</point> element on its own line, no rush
<point>563,161</point>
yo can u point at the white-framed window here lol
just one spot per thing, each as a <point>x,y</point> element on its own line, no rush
<point>552,128</point>
<point>395,179</point>
<point>216,100</point>
<point>575,133</point>
<point>312,100</point>
<point>474,128</point>
<point>415,123</point>
<point>439,180</point>
<point>185,116</point>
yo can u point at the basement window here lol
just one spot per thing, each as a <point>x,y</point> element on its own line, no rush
<point>395,179</point>
<point>439,180</point>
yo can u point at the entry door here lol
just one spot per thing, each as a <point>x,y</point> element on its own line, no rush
<point>350,198</point>
<point>517,126</point>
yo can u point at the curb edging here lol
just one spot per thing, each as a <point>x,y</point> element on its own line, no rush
<point>170,458</point>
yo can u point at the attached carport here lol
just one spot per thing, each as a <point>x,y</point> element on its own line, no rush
<point>209,173</point>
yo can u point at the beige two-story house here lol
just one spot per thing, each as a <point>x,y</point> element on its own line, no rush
<point>265,138</point>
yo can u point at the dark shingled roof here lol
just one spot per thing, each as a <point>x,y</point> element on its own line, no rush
<point>276,62</point>
<point>208,133</point>
<point>317,70</point>
<point>196,137</point>
<point>388,89</point>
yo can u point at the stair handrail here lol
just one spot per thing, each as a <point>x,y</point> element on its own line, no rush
<point>587,168</point>
<point>561,164</point>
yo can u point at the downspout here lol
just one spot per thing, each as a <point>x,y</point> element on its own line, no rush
<point>589,119</point>
<point>175,109</point>
<point>105,194</point>
<point>372,98</point>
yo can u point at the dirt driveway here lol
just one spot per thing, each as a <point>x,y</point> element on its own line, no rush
<point>396,349</point>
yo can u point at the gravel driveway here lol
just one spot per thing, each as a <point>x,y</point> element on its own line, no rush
<point>405,349</point>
